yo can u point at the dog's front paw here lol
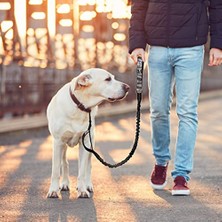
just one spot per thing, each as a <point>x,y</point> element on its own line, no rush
<point>84,189</point>
<point>65,187</point>
<point>90,188</point>
<point>83,194</point>
<point>53,194</point>
<point>53,191</point>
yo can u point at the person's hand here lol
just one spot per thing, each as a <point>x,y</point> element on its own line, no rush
<point>136,53</point>
<point>215,57</point>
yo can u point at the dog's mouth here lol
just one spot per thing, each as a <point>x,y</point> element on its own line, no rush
<point>117,99</point>
<point>112,99</point>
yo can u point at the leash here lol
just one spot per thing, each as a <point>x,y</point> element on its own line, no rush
<point>139,89</point>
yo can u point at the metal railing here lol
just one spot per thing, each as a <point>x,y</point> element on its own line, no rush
<point>45,43</point>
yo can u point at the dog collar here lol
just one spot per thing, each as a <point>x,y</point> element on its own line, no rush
<point>79,104</point>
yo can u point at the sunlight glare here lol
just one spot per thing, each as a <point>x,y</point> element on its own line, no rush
<point>30,32</point>
<point>100,8</point>
<point>115,25</point>
<point>25,144</point>
<point>20,13</point>
<point>51,18</point>
<point>38,15</point>
<point>6,25</point>
<point>119,37</point>
<point>87,15</point>
<point>120,10</point>
<point>5,6</point>
<point>65,22</point>
<point>110,45</point>
<point>35,2</point>
<point>63,9</point>
<point>88,28</point>
<point>9,34</point>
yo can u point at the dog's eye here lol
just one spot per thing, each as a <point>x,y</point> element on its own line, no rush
<point>108,79</point>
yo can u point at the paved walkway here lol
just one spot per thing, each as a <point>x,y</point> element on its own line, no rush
<point>121,194</point>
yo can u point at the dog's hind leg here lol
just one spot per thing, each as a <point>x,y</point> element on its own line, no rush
<point>65,171</point>
<point>56,164</point>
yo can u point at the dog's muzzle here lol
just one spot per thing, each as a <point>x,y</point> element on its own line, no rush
<point>125,88</point>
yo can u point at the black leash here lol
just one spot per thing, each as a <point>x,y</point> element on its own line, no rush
<point>139,89</point>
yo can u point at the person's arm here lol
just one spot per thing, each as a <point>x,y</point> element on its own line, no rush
<point>137,36</point>
<point>215,15</point>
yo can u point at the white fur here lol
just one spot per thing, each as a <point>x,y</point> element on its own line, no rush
<point>67,123</point>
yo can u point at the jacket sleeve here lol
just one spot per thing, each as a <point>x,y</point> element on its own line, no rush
<point>215,14</point>
<point>137,36</point>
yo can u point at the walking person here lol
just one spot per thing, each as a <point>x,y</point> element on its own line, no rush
<point>175,32</point>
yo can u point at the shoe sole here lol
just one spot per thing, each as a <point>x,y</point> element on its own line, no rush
<point>180,192</point>
<point>158,187</point>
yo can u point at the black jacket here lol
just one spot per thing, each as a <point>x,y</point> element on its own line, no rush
<point>175,23</point>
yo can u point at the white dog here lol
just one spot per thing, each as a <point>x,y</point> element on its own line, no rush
<point>68,119</point>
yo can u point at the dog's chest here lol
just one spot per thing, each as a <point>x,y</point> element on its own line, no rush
<point>71,138</point>
<point>73,133</point>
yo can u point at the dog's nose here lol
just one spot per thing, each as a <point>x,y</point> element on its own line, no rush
<point>126,87</point>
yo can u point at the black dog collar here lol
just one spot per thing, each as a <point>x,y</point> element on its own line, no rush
<point>79,104</point>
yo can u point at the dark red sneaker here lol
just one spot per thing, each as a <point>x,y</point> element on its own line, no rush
<point>180,187</point>
<point>158,177</point>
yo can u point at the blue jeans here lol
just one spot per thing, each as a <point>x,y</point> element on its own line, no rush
<point>181,67</point>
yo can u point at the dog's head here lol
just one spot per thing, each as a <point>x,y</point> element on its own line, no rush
<point>95,85</point>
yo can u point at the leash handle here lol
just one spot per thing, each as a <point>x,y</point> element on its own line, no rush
<point>139,75</point>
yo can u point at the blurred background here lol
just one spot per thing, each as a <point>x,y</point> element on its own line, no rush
<point>45,43</point>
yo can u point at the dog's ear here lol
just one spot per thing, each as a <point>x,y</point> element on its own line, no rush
<point>83,81</point>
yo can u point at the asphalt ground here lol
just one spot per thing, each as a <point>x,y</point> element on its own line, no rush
<point>121,194</point>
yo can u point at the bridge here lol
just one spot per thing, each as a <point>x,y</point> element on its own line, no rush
<point>45,43</point>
